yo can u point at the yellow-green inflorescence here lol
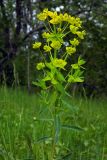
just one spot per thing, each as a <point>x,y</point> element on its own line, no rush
<point>40,66</point>
<point>36,45</point>
<point>58,27</point>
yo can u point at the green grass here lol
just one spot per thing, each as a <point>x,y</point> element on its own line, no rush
<point>26,128</point>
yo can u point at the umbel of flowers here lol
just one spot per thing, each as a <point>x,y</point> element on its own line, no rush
<point>55,67</point>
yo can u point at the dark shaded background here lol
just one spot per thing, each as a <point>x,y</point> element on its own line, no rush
<point>19,28</point>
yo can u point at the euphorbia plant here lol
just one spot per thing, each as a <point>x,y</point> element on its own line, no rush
<point>57,73</point>
<point>54,69</point>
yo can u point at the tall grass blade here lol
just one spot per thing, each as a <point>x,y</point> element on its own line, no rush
<point>76,128</point>
<point>57,128</point>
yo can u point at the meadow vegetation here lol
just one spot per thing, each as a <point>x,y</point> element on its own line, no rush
<point>25,128</point>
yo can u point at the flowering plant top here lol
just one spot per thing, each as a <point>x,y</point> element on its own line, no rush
<point>55,68</point>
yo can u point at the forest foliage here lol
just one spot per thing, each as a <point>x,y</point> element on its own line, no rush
<point>20,28</point>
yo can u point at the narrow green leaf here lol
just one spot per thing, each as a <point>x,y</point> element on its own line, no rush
<point>60,88</point>
<point>75,66</point>
<point>47,78</point>
<point>43,139</point>
<point>36,83</point>
<point>53,98</point>
<point>40,84</point>
<point>80,61</point>
<point>60,76</point>
<point>57,128</point>
<point>69,105</point>
<point>67,157</point>
<point>79,79</point>
<point>45,119</point>
<point>76,128</point>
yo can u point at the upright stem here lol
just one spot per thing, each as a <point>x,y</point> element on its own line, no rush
<point>54,126</point>
<point>55,52</point>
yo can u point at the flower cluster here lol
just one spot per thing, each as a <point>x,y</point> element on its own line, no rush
<point>56,45</point>
<point>47,48</point>
<point>58,26</point>
<point>59,63</point>
<point>70,50</point>
<point>54,18</point>
<point>36,45</point>
<point>40,66</point>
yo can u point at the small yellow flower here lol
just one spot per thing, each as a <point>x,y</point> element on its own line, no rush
<point>45,35</point>
<point>71,20</point>
<point>60,63</point>
<point>70,50</point>
<point>75,42</point>
<point>47,48</point>
<point>36,45</point>
<point>78,22</point>
<point>61,16</point>
<point>45,11</point>
<point>81,34</point>
<point>73,29</point>
<point>65,17</point>
<point>55,20</point>
<point>56,45</point>
<point>51,14</point>
<point>40,66</point>
<point>42,16</point>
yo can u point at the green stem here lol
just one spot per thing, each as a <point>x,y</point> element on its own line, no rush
<point>54,127</point>
<point>54,28</point>
<point>42,55</point>
<point>63,55</point>
<point>68,73</point>
<point>66,33</point>
<point>46,27</point>
<point>51,56</point>
<point>55,53</point>
<point>65,27</point>
<point>66,56</point>
<point>50,26</point>
<point>67,85</point>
